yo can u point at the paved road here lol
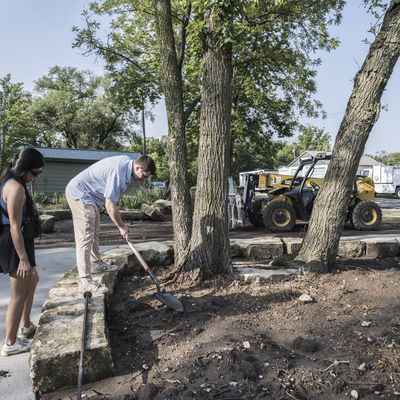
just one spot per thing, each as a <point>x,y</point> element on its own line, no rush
<point>52,264</point>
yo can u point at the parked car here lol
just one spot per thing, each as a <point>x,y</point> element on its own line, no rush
<point>156,185</point>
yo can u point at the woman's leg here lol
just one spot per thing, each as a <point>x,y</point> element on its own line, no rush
<point>26,313</point>
<point>19,293</point>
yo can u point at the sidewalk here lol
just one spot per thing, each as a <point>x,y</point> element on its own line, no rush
<point>52,264</point>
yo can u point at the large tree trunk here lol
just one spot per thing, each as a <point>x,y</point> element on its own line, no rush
<point>172,80</point>
<point>326,224</point>
<point>209,248</point>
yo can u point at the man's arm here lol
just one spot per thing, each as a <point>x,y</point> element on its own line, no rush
<point>114,214</point>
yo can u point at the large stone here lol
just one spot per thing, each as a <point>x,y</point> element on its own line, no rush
<point>55,353</point>
<point>57,214</point>
<point>258,248</point>
<point>132,215</point>
<point>260,275</point>
<point>351,248</point>
<point>47,223</point>
<point>151,212</point>
<point>164,206</point>
<point>292,245</point>
<point>153,253</point>
<point>381,247</point>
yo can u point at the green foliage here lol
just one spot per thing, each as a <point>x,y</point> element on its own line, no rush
<point>157,150</point>
<point>386,158</point>
<point>50,202</point>
<point>86,110</point>
<point>135,198</point>
<point>15,120</point>
<point>310,138</point>
<point>128,48</point>
<point>273,59</point>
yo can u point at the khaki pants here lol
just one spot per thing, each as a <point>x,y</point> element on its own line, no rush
<point>86,229</point>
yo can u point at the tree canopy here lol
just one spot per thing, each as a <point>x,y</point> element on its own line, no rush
<point>15,121</point>
<point>274,62</point>
<point>86,110</point>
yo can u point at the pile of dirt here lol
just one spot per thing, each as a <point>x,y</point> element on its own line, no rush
<point>251,341</point>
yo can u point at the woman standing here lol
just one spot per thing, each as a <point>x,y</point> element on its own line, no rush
<point>17,255</point>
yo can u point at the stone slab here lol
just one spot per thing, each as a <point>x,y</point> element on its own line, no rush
<point>58,214</point>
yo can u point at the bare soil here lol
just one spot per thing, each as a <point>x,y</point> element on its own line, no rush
<point>251,341</point>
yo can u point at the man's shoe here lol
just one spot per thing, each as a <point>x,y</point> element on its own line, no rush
<point>92,286</point>
<point>103,267</point>
<point>26,332</point>
<point>19,346</point>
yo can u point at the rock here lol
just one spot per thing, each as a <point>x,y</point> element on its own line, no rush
<point>284,260</point>
<point>351,248</point>
<point>366,323</point>
<point>58,214</point>
<point>164,206</point>
<point>305,298</point>
<point>354,394</point>
<point>152,212</point>
<point>381,247</point>
<point>55,353</point>
<point>132,215</point>
<point>292,245</point>
<point>259,248</point>
<point>47,223</point>
<point>306,345</point>
<point>362,367</point>
<point>147,392</point>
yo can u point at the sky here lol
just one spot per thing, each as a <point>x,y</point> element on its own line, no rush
<point>37,35</point>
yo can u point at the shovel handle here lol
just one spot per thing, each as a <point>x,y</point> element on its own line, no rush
<point>140,258</point>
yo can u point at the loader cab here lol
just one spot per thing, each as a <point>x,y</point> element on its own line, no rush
<point>304,194</point>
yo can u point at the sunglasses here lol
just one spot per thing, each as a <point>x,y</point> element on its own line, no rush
<point>35,174</point>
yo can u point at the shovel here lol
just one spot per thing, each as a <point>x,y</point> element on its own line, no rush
<point>87,296</point>
<point>165,297</point>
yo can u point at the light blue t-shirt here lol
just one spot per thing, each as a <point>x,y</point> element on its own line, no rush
<point>106,179</point>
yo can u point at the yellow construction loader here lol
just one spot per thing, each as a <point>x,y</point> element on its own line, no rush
<point>277,201</point>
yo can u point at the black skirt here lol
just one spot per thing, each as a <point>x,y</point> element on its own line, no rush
<point>9,259</point>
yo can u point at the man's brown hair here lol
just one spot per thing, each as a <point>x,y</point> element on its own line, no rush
<point>146,163</point>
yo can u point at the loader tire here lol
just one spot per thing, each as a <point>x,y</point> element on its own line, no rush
<point>279,217</point>
<point>255,218</point>
<point>366,215</point>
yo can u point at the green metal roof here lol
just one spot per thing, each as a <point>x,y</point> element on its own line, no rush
<point>82,155</point>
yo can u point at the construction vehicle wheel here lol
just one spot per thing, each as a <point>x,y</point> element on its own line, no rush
<point>366,215</point>
<point>350,217</point>
<point>255,217</point>
<point>279,216</point>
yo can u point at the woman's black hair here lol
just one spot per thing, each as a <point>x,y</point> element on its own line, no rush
<point>25,160</point>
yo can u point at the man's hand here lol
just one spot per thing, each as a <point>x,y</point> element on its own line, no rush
<point>124,231</point>
<point>114,214</point>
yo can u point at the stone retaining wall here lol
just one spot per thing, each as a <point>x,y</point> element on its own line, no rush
<point>55,352</point>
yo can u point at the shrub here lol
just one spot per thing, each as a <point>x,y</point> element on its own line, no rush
<point>135,198</point>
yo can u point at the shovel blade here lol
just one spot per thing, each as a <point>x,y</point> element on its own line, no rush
<point>170,301</point>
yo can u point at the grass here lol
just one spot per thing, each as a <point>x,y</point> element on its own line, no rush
<point>131,200</point>
<point>50,202</point>
<point>135,198</point>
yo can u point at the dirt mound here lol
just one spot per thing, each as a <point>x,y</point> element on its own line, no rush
<point>241,341</point>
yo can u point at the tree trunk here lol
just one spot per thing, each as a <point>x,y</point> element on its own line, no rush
<point>322,240</point>
<point>172,80</point>
<point>209,248</point>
